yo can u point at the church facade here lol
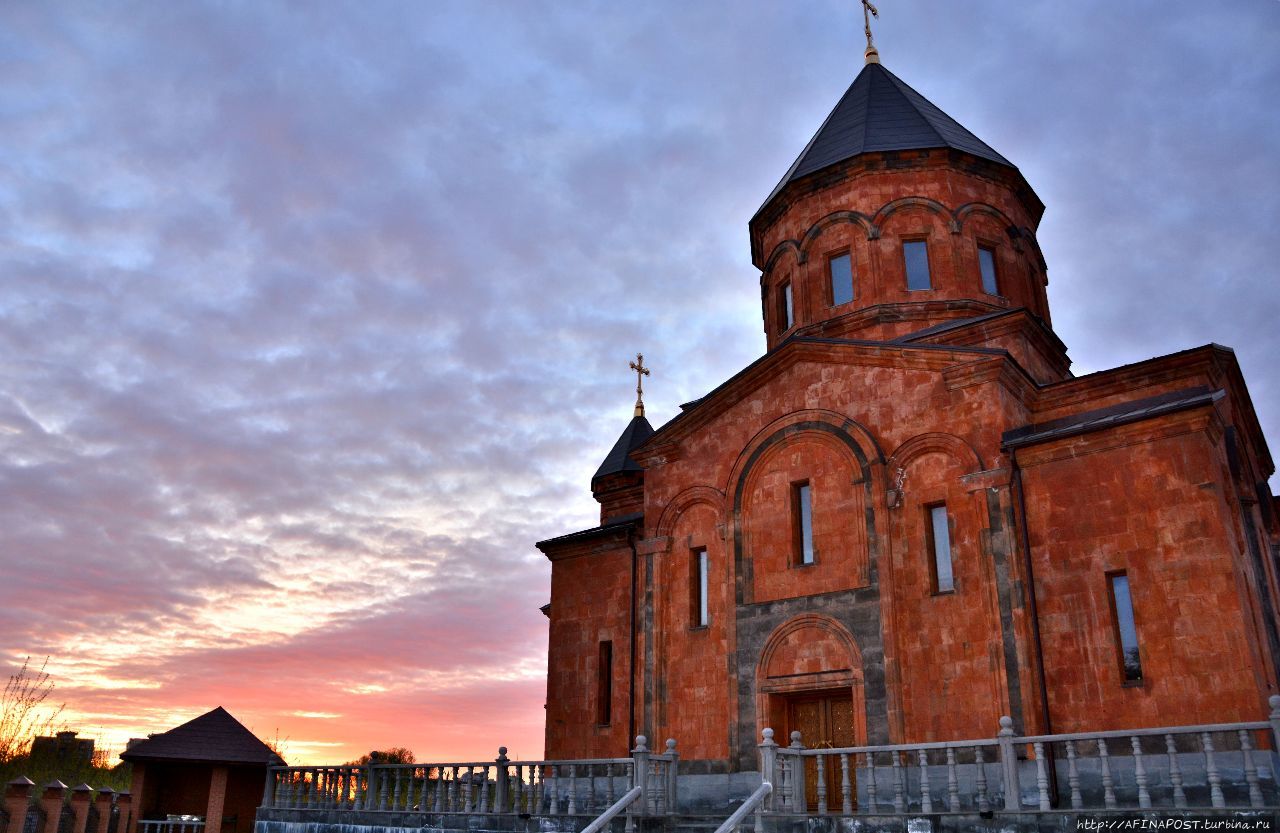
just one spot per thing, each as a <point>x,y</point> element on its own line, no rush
<point>908,518</point>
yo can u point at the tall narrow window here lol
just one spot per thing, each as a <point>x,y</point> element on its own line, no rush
<point>987,264</point>
<point>802,516</point>
<point>841,270</point>
<point>915,253</point>
<point>786,312</point>
<point>1126,630</point>
<point>940,548</point>
<point>698,596</point>
<point>604,684</point>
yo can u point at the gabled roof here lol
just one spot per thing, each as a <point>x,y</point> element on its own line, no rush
<point>215,736</point>
<point>619,457</point>
<point>879,112</point>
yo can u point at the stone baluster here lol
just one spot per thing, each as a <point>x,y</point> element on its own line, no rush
<point>1108,790</point>
<point>1140,772</point>
<point>846,789</point>
<point>17,794</point>
<point>1175,773</point>
<point>1073,776</point>
<point>822,783</point>
<point>926,795</point>
<point>80,799</point>
<point>1009,765</point>
<point>502,796</point>
<point>573,791</point>
<point>380,775</point>
<point>953,782</point>
<point>871,783</point>
<point>517,797</point>
<point>1250,769</point>
<point>553,791</point>
<point>980,780</point>
<point>395,791</point>
<point>799,802</point>
<point>768,750</point>
<point>640,772</point>
<point>633,809</point>
<point>437,802</point>
<point>899,793</point>
<point>534,798</point>
<point>1042,776</point>
<point>451,797</point>
<point>51,803</point>
<point>610,794</point>
<point>106,796</point>
<point>484,805</point>
<point>1211,771</point>
<point>673,773</point>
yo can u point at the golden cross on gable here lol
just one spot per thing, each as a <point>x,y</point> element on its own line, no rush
<point>869,11</point>
<point>641,372</point>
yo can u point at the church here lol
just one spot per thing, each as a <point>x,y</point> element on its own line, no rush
<point>908,518</point>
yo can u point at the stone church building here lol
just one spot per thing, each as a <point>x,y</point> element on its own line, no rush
<point>908,518</point>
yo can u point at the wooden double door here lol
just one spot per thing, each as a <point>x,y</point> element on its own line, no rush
<point>825,720</point>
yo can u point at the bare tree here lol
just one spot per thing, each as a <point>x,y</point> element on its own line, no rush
<point>23,712</point>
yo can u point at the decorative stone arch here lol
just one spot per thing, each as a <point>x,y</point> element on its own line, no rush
<point>867,449</point>
<point>781,250</point>
<point>961,214</point>
<point>936,442</point>
<point>832,219</point>
<point>829,427</point>
<point>894,206</point>
<point>686,500</point>
<point>783,670</point>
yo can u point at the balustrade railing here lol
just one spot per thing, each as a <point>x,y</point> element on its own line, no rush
<point>1225,765</point>
<point>546,787</point>
<point>1216,766</point>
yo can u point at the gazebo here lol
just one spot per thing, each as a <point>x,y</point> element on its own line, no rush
<point>211,767</point>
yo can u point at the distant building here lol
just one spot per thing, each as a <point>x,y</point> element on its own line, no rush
<point>63,749</point>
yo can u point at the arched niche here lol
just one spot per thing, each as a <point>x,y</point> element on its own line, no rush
<point>812,448</point>
<point>808,655</point>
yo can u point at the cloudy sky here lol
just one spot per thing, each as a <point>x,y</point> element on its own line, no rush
<point>315,316</point>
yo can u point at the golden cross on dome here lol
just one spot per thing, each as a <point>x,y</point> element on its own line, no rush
<point>869,11</point>
<point>641,372</point>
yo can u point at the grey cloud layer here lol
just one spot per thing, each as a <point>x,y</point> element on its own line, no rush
<point>325,310</point>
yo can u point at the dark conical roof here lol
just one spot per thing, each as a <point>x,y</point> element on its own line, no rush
<point>619,457</point>
<point>879,112</point>
<point>214,736</point>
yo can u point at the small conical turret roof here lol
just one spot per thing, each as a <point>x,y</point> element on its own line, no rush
<point>619,457</point>
<point>879,112</point>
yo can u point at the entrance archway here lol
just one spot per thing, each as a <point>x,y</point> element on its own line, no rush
<point>810,680</point>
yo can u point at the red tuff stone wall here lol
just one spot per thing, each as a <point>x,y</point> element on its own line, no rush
<point>947,645</point>
<point>772,523</point>
<point>692,682</point>
<point>590,602</point>
<point>917,198</point>
<point>1147,499</point>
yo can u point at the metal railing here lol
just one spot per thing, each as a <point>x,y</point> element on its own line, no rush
<point>1225,765</point>
<point>753,804</point>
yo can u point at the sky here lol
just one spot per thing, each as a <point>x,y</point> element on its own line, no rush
<point>314,317</point>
